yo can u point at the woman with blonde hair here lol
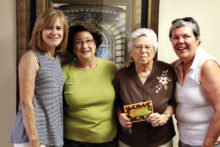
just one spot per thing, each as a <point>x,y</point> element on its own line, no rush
<point>39,122</point>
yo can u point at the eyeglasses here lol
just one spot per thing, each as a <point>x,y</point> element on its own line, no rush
<point>186,19</point>
<point>149,48</point>
<point>80,43</point>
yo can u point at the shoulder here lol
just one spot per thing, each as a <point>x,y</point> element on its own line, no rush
<point>207,62</point>
<point>108,63</point>
<point>210,69</point>
<point>201,57</point>
<point>210,63</point>
<point>210,81</point>
<point>163,65</point>
<point>68,70</point>
<point>29,58</point>
<point>68,67</point>
<point>174,63</point>
<point>165,68</point>
<point>126,71</point>
<point>105,61</point>
<point>29,61</point>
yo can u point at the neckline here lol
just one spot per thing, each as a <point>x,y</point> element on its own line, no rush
<point>138,80</point>
<point>42,53</point>
<point>97,65</point>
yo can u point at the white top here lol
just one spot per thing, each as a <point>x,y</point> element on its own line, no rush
<point>193,111</point>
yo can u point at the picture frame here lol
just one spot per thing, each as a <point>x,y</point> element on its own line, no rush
<point>114,18</point>
<point>137,12</point>
<point>145,13</point>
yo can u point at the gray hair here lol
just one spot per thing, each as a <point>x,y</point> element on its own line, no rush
<point>184,22</point>
<point>143,32</point>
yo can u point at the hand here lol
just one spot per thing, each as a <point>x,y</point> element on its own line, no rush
<point>157,119</point>
<point>127,64</point>
<point>125,121</point>
<point>34,143</point>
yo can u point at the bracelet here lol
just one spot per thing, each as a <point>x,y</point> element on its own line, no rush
<point>167,114</point>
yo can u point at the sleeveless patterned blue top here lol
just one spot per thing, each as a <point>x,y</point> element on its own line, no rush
<point>48,104</point>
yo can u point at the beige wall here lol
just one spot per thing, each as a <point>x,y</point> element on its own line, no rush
<point>206,12</point>
<point>8,69</point>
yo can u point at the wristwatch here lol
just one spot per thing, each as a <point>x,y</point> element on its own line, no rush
<point>167,114</point>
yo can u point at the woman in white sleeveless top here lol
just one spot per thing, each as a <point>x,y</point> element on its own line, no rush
<point>197,89</point>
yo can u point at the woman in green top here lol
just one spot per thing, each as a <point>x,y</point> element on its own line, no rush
<point>88,92</point>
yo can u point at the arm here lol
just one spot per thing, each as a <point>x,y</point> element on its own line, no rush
<point>28,68</point>
<point>210,81</point>
<point>157,119</point>
<point>123,119</point>
<point>169,111</point>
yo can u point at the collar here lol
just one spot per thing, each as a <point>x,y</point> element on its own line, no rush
<point>179,62</point>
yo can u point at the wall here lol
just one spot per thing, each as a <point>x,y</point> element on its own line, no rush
<point>8,69</point>
<point>205,12</point>
<point>207,15</point>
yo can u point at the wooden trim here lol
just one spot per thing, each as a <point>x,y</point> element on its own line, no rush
<point>149,14</point>
<point>23,31</point>
<point>22,27</point>
<point>153,14</point>
<point>40,6</point>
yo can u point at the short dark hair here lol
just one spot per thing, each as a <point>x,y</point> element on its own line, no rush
<point>80,27</point>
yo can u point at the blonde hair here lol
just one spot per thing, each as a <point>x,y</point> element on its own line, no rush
<point>44,20</point>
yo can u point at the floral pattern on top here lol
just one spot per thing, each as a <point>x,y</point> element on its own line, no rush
<point>162,81</point>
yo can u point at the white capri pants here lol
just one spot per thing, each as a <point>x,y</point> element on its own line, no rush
<point>26,145</point>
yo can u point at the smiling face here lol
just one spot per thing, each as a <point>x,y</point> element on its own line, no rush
<point>142,51</point>
<point>184,43</point>
<point>84,46</point>
<point>53,35</point>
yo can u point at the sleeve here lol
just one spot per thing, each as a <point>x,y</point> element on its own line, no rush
<point>64,72</point>
<point>116,84</point>
<point>115,69</point>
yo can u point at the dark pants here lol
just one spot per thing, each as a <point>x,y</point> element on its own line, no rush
<point>71,143</point>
